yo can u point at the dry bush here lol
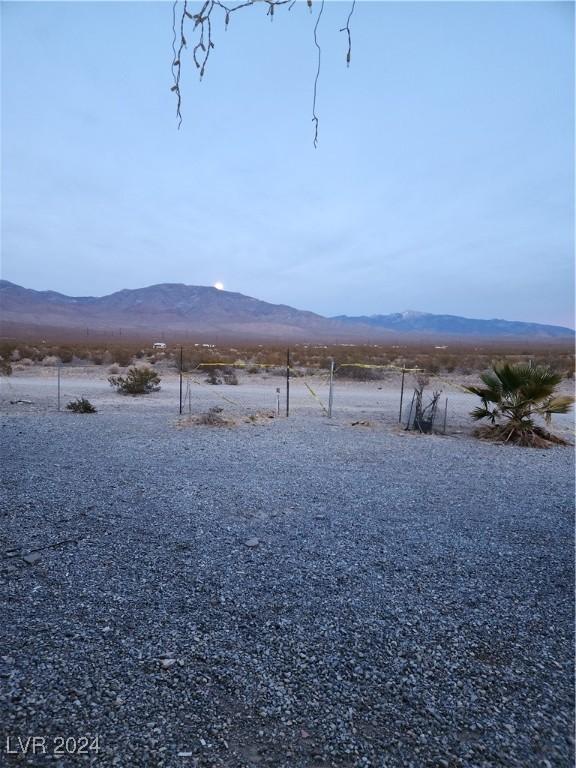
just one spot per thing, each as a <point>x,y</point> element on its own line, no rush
<point>51,360</point>
<point>81,405</point>
<point>229,376</point>
<point>213,417</point>
<point>123,356</point>
<point>114,368</point>
<point>65,354</point>
<point>357,373</point>
<point>214,376</point>
<point>536,437</point>
<point>260,417</point>
<point>5,367</point>
<point>422,381</point>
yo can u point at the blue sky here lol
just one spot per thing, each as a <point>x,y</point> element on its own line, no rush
<point>443,180</point>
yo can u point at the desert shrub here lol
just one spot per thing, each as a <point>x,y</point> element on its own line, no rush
<point>97,358</point>
<point>5,368</point>
<point>33,353</point>
<point>81,405</point>
<point>138,381</point>
<point>213,417</point>
<point>357,373</point>
<point>229,376</point>
<point>114,368</point>
<point>15,355</point>
<point>26,361</point>
<point>123,357</point>
<point>512,396</point>
<point>51,360</point>
<point>66,355</point>
<point>214,376</point>
<point>275,371</point>
<point>252,369</point>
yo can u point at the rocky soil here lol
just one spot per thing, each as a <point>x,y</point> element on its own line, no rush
<point>295,593</point>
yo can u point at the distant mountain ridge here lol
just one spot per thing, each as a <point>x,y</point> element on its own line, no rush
<point>177,310</point>
<point>426,323</point>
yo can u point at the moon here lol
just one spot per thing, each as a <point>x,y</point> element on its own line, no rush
<point>219,286</point>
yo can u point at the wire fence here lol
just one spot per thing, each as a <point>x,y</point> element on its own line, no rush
<point>330,391</point>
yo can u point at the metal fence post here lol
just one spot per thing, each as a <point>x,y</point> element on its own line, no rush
<point>330,391</point>
<point>181,358</point>
<point>401,395</point>
<point>287,382</point>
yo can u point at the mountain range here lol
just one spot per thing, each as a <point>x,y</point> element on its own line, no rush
<point>175,311</point>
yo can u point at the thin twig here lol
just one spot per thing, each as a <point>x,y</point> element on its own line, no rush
<point>56,544</point>
<point>314,115</point>
<point>347,30</point>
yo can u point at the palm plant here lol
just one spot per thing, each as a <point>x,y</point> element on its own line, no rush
<point>514,395</point>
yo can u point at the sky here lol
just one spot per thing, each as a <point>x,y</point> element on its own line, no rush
<point>443,180</point>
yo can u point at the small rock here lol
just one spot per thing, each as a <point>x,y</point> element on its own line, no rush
<point>167,663</point>
<point>32,558</point>
<point>304,734</point>
<point>252,542</point>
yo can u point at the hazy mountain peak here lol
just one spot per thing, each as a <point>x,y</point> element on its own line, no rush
<point>192,311</point>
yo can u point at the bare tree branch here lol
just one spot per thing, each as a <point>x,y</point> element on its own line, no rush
<point>347,30</point>
<point>314,115</point>
<point>203,43</point>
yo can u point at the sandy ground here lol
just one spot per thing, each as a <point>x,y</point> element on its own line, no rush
<point>375,402</point>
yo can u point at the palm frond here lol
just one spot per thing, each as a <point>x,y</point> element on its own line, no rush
<point>558,404</point>
<point>485,393</point>
<point>483,412</point>
<point>492,381</point>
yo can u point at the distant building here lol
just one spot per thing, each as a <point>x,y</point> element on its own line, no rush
<point>159,345</point>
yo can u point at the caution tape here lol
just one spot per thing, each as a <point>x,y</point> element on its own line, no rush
<point>240,365</point>
<point>389,367</point>
<point>452,384</point>
<point>316,396</point>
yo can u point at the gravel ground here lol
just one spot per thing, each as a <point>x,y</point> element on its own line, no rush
<point>297,593</point>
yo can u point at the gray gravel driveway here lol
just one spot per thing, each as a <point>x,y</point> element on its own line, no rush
<point>293,593</point>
